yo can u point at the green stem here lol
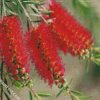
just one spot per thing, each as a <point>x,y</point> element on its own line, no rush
<point>25,11</point>
<point>1,80</point>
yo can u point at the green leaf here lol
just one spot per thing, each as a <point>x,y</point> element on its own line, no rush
<point>44,94</point>
<point>7,96</point>
<point>64,88</point>
<point>60,92</point>
<point>18,84</point>
<point>97,55</point>
<point>84,3</point>
<point>30,95</point>
<point>80,96</point>
<point>47,12</point>
<point>32,2</point>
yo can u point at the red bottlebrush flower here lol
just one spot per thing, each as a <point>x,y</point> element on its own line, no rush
<point>50,54</point>
<point>76,38</point>
<point>13,49</point>
<point>33,45</point>
<point>44,53</point>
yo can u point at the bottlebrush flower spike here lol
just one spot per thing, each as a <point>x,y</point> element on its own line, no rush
<point>50,54</point>
<point>45,55</point>
<point>76,38</point>
<point>13,49</point>
<point>33,45</point>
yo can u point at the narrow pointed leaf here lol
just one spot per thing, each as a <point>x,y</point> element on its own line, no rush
<point>84,3</point>
<point>31,2</point>
<point>80,96</point>
<point>44,94</point>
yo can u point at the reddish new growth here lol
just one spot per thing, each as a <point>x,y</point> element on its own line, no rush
<point>45,56</point>
<point>74,37</point>
<point>13,48</point>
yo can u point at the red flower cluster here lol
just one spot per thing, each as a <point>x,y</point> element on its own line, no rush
<point>63,33</point>
<point>75,38</point>
<point>44,53</point>
<point>13,48</point>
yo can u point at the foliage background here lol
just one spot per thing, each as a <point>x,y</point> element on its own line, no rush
<point>87,82</point>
